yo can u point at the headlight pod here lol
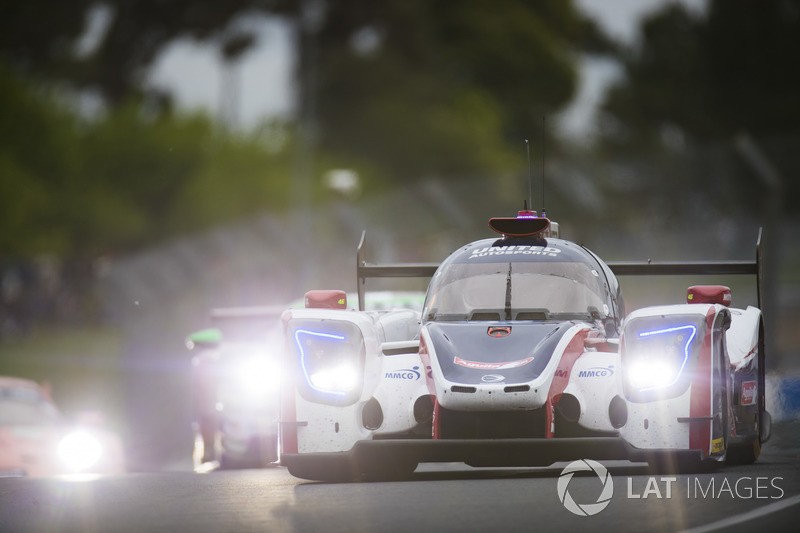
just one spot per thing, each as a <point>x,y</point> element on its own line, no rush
<point>80,451</point>
<point>330,360</point>
<point>659,354</point>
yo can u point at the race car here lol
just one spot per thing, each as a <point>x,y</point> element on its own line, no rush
<point>36,440</point>
<point>235,385</point>
<point>236,373</point>
<point>522,356</point>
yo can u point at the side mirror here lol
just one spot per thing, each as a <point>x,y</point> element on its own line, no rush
<point>205,338</point>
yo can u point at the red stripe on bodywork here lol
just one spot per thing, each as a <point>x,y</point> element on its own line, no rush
<point>425,358</point>
<point>288,428</point>
<point>435,418</point>
<point>573,350</point>
<point>700,399</point>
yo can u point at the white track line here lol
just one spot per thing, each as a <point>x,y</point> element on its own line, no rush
<point>744,517</point>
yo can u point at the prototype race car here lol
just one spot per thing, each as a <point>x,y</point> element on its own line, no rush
<point>522,356</point>
<point>36,440</point>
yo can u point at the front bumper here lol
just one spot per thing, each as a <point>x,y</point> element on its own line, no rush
<point>377,459</point>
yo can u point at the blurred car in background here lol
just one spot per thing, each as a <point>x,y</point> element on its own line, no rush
<point>235,386</point>
<point>236,381</point>
<point>37,440</point>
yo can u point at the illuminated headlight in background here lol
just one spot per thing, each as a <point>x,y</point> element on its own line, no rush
<point>331,361</point>
<point>79,451</point>
<point>656,358</point>
<point>256,378</point>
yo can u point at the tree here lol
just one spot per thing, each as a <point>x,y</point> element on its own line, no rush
<point>442,88</point>
<point>408,87</point>
<point>712,76</point>
<point>699,81</point>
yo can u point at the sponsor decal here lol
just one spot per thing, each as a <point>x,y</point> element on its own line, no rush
<point>408,374</point>
<point>717,445</point>
<point>516,250</point>
<point>597,372</point>
<point>585,509</point>
<point>480,365</point>
<point>493,378</point>
<point>561,373</point>
<point>748,392</point>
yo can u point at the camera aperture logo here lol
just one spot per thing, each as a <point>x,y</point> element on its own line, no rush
<point>585,509</point>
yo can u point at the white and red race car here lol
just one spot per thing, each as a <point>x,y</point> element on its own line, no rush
<point>523,355</point>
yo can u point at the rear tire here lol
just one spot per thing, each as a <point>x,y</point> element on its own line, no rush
<point>744,453</point>
<point>748,450</point>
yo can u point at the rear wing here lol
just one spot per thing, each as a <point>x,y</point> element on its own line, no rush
<point>699,268</point>
<point>366,270</point>
<point>246,323</point>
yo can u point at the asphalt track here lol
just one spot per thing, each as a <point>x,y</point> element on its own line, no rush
<point>450,497</point>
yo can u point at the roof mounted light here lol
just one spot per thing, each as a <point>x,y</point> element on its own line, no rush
<point>525,224</point>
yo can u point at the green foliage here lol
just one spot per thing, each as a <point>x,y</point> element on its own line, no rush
<point>712,77</point>
<point>398,90</point>
<point>83,188</point>
<point>443,88</point>
<point>696,84</point>
<point>37,154</point>
<point>241,175</point>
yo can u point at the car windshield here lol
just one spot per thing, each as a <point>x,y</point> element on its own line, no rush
<point>516,291</point>
<point>25,407</point>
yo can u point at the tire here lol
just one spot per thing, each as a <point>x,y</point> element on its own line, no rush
<point>721,404</point>
<point>262,451</point>
<point>748,450</point>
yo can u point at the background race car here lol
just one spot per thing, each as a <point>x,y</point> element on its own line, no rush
<point>236,383</point>
<point>237,375</point>
<point>36,439</point>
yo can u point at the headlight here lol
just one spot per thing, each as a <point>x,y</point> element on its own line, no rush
<point>255,378</point>
<point>330,360</point>
<point>657,353</point>
<point>337,380</point>
<point>79,451</point>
